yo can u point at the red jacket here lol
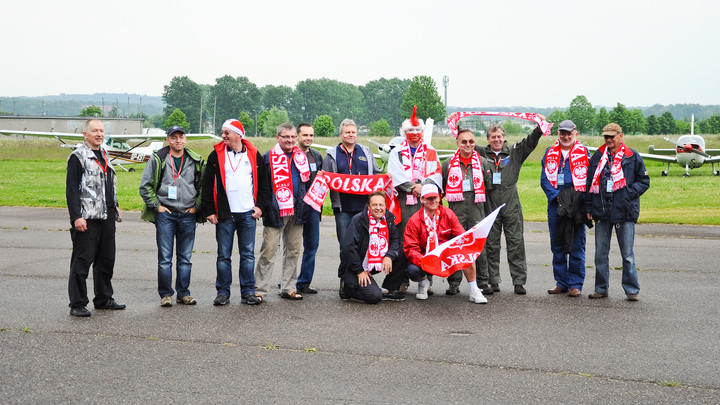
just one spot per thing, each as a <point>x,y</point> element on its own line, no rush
<point>416,235</point>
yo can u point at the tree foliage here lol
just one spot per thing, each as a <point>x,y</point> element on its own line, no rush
<point>512,127</point>
<point>177,117</point>
<point>667,123</point>
<point>423,93</point>
<point>91,111</point>
<point>383,99</point>
<point>329,97</point>
<point>275,117</point>
<point>186,95</point>
<point>323,126</point>
<point>602,118</point>
<point>380,128</point>
<point>582,113</point>
<point>248,123</point>
<point>233,95</point>
<point>556,118</point>
<point>653,126</point>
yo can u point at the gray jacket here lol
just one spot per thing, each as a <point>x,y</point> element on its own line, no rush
<point>92,184</point>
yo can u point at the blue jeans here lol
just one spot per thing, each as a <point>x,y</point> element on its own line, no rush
<point>625,233</point>
<point>311,240</point>
<point>178,228</point>
<point>244,224</point>
<point>342,221</point>
<point>568,268</point>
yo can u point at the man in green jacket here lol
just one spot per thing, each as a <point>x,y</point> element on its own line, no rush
<point>170,187</point>
<point>505,164</point>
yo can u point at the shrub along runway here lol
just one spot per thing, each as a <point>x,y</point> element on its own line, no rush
<point>533,348</point>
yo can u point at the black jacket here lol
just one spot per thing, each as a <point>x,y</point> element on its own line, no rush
<point>354,246</point>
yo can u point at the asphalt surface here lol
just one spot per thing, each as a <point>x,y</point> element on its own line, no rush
<point>535,348</point>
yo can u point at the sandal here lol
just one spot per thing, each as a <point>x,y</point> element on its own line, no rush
<point>292,295</point>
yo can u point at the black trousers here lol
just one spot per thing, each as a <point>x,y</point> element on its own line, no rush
<point>96,247</point>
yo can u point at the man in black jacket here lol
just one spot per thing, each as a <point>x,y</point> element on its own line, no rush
<point>311,226</point>
<point>616,179</point>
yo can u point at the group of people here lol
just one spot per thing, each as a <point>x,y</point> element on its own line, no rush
<point>238,185</point>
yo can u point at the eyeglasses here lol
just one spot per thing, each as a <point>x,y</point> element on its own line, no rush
<point>287,137</point>
<point>467,142</point>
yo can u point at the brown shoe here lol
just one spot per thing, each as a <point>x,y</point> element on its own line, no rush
<point>574,292</point>
<point>557,290</point>
<point>597,295</point>
<point>486,289</point>
<point>632,297</point>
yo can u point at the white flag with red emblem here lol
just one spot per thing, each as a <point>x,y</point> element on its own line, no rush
<point>461,251</point>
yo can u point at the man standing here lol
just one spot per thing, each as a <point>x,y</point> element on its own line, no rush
<point>235,192</point>
<point>466,177</point>
<point>505,164</point>
<point>311,227</point>
<point>289,178</point>
<point>348,158</point>
<point>563,178</point>
<point>91,194</point>
<point>411,164</point>
<point>428,228</point>
<point>170,188</point>
<point>617,178</point>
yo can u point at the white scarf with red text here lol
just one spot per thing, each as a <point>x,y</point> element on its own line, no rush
<point>282,176</point>
<point>377,244</point>
<point>431,226</point>
<point>579,163</point>
<point>615,170</point>
<point>454,189</point>
<point>414,166</point>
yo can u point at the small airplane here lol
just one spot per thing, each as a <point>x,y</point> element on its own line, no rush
<point>689,152</point>
<point>116,145</point>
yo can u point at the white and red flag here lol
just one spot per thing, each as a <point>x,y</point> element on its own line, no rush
<point>461,251</point>
<point>452,120</point>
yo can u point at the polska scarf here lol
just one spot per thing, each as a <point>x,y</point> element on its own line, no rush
<point>431,226</point>
<point>378,243</point>
<point>454,188</point>
<point>579,163</point>
<point>615,170</point>
<point>414,166</point>
<point>282,176</point>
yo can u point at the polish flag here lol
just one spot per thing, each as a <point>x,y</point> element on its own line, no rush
<point>461,251</point>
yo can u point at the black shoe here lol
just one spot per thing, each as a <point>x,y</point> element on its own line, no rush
<point>80,311</point>
<point>452,289</point>
<point>249,299</point>
<point>112,304</point>
<point>221,300</point>
<point>495,287</point>
<point>519,289</point>
<point>393,296</point>
<point>486,289</point>
<point>343,295</point>
<point>308,290</point>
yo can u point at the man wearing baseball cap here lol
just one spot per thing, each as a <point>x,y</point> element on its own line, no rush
<point>170,188</point>
<point>235,192</point>
<point>616,179</point>
<point>428,228</point>
<point>565,166</point>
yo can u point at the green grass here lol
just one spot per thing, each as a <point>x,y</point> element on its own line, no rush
<point>32,173</point>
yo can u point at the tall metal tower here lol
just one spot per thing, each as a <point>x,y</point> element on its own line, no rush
<point>446,82</point>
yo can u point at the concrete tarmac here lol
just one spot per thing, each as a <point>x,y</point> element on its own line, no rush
<point>535,348</point>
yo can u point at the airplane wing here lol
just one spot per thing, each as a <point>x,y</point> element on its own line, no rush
<point>651,149</point>
<point>660,158</point>
<point>70,135</point>
<point>57,135</point>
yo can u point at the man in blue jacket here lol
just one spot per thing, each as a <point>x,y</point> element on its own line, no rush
<point>616,179</point>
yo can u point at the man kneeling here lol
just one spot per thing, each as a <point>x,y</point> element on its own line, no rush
<point>369,246</point>
<point>428,228</point>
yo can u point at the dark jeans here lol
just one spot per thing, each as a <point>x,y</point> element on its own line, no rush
<point>174,228</point>
<point>96,247</point>
<point>311,240</point>
<point>342,221</point>
<point>244,224</point>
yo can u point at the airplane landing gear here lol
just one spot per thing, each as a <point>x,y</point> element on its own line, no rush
<point>663,173</point>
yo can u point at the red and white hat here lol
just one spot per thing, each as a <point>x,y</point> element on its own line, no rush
<point>235,126</point>
<point>412,124</point>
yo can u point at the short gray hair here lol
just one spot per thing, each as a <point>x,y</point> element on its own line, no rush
<point>86,125</point>
<point>346,123</point>
<point>285,125</point>
<point>493,128</point>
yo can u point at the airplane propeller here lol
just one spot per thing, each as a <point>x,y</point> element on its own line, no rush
<point>687,148</point>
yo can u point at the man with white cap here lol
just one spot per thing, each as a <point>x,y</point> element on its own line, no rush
<point>235,192</point>
<point>427,229</point>
<point>565,166</point>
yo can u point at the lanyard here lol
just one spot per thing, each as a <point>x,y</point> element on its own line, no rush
<point>104,169</point>
<point>230,161</point>
<point>497,159</point>
<point>349,157</point>
<point>172,166</point>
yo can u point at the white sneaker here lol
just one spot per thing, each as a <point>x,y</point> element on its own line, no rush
<point>478,297</point>
<point>422,292</point>
<point>384,290</point>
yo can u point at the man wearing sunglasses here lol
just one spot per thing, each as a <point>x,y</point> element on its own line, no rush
<point>466,176</point>
<point>616,179</point>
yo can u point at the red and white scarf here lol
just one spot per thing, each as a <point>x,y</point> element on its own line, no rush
<point>618,176</point>
<point>377,244</point>
<point>454,189</point>
<point>282,176</point>
<point>579,163</point>
<point>431,226</point>
<point>414,166</point>
<point>453,119</point>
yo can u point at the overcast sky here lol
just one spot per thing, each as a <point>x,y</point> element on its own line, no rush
<point>497,53</point>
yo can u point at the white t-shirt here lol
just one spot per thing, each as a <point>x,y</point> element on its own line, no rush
<point>238,182</point>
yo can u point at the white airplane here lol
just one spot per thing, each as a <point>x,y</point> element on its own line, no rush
<point>116,145</point>
<point>689,152</point>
